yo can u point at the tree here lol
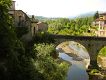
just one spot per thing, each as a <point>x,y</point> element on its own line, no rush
<point>96,15</point>
<point>103,51</point>
<point>77,26</point>
<point>14,64</point>
<point>51,68</point>
<point>9,45</point>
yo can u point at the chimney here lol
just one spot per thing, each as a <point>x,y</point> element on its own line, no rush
<point>12,6</point>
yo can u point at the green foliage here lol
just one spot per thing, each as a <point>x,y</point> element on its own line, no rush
<point>20,31</point>
<point>51,68</point>
<point>43,37</point>
<point>18,62</point>
<point>78,26</point>
<point>14,64</point>
<point>94,71</point>
<point>103,51</point>
<point>6,29</point>
<point>10,47</point>
<point>96,15</point>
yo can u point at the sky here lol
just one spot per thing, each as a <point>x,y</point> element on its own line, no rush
<point>60,8</point>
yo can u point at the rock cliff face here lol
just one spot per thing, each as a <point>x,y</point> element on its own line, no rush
<point>101,62</point>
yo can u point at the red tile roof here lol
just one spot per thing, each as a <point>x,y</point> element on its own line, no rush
<point>103,13</point>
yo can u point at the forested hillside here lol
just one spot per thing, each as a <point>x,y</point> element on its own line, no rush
<point>77,26</point>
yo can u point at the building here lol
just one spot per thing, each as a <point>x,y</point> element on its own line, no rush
<point>41,26</point>
<point>20,19</point>
<point>34,28</point>
<point>37,26</point>
<point>101,23</point>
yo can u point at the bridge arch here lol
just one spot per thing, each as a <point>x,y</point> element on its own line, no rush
<point>92,44</point>
<point>101,58</point>
<point>75,50</point>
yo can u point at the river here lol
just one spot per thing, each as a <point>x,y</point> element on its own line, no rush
<point>79,64</point>
<point>77,70</point>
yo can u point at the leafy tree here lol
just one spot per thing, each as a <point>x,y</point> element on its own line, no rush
<point>96,15</point>
<point>78,26</point>
<point>51,68</point>
<point>9,45</point>
<point>43,37</point>
<point>14,64</point>
<point>103,51</point>
<point>20,31</point>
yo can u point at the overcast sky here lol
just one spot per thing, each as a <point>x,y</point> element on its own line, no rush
<point>60,8</point>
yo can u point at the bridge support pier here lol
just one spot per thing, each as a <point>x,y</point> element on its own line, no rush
<point>93,64</point>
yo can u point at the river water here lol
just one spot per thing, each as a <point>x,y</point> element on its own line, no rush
<point>79,64</point>
<point>77,70</point>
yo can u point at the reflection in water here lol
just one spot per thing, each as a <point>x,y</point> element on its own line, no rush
<point>65,57</point>
<point>77,70</point>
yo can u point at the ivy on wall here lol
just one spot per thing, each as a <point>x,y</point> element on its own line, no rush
<point>20,31</point>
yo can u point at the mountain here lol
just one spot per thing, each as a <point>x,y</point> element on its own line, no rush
<point>40,18</point>
<point>87,14</point>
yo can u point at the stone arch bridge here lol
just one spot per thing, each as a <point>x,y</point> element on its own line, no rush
<point>91,43</point>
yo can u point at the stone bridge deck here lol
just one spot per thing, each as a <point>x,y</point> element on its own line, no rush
<point>79,37</point>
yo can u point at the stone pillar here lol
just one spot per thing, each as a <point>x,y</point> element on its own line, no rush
<point>92,50</point>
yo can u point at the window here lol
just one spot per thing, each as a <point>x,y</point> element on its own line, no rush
<point>101,27</point>
<point>20,19</point>
<point>102,33</point>
<point>101,17</point>
<point>34,30</point>
<point>105,22</point>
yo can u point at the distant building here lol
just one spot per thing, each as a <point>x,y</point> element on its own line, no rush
<point>101,23</point>
<point>41,26</point>
<point>34,28</point>
<point>20,19</point>
<point>37,26</point>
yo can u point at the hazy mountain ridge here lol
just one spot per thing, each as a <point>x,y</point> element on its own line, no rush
<point>87,14</point>
<point>42,18</point>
